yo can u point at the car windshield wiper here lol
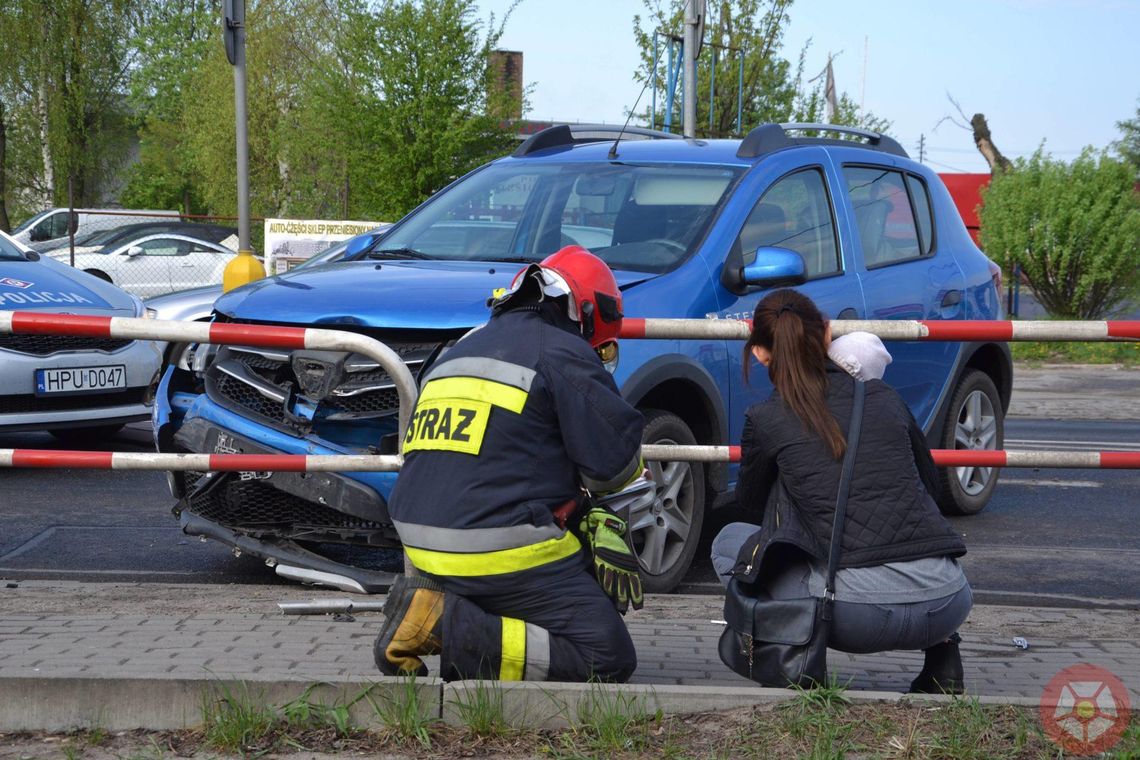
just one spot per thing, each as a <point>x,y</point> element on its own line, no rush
<point>396,253</point>
<point>511,259</point>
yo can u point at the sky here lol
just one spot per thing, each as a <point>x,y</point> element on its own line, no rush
<point>1059,71</point>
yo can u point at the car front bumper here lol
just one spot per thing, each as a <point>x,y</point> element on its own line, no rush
<point>22,409</point>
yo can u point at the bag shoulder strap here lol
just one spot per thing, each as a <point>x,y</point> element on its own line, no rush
<point>844,488</point>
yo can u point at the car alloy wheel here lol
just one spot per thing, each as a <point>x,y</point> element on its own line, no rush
<point>666,531</point>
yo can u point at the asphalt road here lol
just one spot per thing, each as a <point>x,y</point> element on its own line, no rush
<point>1049,537</point>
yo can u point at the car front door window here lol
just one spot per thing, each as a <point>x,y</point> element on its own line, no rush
<point>794,213</point>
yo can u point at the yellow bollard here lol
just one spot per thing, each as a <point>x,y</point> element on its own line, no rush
<point>242,269</point>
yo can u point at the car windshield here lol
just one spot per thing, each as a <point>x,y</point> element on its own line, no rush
<point>646,217</point>
<point>9,251</point>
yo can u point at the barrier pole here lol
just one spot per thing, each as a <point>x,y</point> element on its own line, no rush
<point>107,460</point>
<point>262,336</point>
<point>892,329</point>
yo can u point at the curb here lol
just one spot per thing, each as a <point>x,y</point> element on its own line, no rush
<point>65,704</point>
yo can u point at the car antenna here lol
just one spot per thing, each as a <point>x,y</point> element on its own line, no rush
<point>613,148</point>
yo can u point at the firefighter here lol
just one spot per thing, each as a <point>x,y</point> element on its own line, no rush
<point>514,423</point>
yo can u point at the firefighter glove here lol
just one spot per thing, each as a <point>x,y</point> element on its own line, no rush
<point>615,563</point>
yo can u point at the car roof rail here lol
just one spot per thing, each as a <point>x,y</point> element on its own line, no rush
<point>769,137</point>
<point>578,134</point>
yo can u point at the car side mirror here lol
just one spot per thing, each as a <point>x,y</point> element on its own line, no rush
<point>774,266</point>
<point>135,250</point>
<point>360,244</point>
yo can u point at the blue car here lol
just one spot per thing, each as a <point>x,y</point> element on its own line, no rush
<point>696,229</point>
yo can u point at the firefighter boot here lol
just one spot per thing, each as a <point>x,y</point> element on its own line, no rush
<point>411,626</point>
<point>942,669</point>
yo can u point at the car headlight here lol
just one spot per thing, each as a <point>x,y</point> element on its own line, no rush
<point>149,313</point>
<point>200,356</point>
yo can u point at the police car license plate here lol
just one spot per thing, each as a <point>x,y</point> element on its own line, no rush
<point>63,380</point>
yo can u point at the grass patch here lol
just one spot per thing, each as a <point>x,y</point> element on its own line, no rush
<point>480,708</point>
<point>821,724</point>
<point>1126,353</point>
<point>403,714</point>
<point>234,720</point>
<point>608,721</point>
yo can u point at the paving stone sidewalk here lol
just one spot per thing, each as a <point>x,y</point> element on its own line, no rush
<point>676,639</point>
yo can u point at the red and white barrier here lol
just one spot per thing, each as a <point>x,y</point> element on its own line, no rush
<point>1104,460</point>
<point>262,336</point>
<point>267,336</point>
<point>890,329</point>
<point>114,460</point>
<point>106,460</point>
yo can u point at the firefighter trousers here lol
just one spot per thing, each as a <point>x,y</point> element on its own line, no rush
<point>549,623</point>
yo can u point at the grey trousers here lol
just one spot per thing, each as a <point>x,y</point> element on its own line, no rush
<point>857,627</point>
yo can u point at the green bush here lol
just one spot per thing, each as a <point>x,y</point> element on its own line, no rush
<point>1073,228</point>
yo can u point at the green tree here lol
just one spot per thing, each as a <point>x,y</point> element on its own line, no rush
<point>1129,144</point>
<point>1074,229</point>
<point>171,44</point>
<point>66,68</point>
<point>771,90</point>
<point>434,115</point>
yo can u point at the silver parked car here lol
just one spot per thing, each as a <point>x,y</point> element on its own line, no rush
<point>72,386</point>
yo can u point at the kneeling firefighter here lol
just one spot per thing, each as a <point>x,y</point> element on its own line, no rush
<point>512,426</point>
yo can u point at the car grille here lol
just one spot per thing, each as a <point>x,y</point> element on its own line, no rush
<point>28,403</point>
<point>44,345</point>
<point>262,384</point>
<point>249,504</point>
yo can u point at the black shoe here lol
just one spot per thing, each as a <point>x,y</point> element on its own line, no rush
<point>942,671</point>
<point>411,627</point>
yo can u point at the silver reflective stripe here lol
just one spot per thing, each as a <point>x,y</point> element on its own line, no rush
<point>473,540</point>
<point>487,369</point>
<point>537,653</point>
<point>616,482</point>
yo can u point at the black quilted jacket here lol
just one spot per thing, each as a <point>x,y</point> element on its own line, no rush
<point>788,474</point>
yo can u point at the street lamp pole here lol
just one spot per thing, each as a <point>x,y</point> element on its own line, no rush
<point>244,267</point>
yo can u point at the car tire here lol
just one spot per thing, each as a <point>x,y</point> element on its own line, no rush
<point>667,532</point>
<point>975,421</point>
<point>97,273</point>
<point>86,436</point>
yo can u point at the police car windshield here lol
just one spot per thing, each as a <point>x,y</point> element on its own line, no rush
<point>638,217</point>
<point>10,252</point>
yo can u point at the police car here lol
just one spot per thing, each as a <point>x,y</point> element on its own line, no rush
<point>74,387</point>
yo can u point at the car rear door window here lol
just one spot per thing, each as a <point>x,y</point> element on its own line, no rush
<point>794,213</point>
<point>921,199</point>
<point>883,215</point>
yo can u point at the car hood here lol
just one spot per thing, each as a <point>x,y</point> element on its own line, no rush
<point>431,295</point>
<point>47,285</point>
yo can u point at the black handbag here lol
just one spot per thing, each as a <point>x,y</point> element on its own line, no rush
<point>783,642</point>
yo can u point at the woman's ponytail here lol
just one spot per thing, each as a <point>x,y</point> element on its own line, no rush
<point>790,327</point>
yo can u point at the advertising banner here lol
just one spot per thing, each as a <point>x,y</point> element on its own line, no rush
<point>288,242</point>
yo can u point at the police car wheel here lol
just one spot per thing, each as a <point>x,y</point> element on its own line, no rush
<point>974,422</point>
<point>666,532</point>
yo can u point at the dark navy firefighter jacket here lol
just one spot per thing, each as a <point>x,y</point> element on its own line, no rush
<point>514,419</point>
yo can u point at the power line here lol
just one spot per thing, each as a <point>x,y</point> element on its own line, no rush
<point>947,166</point>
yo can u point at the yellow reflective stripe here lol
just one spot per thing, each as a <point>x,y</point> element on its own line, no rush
<point>513,658</point>
<point>475,389</point>
<point>493,563</point>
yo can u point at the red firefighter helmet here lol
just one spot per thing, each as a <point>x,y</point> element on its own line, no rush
<point>593,296</point>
